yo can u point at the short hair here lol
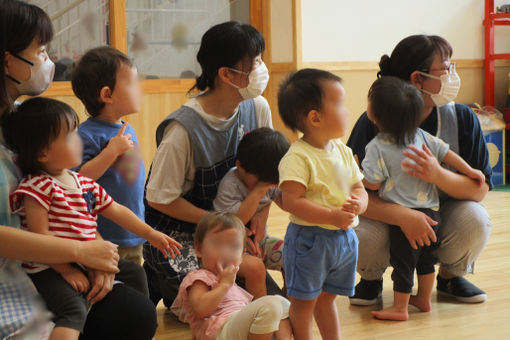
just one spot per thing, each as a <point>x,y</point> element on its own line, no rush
<point>397,107</point>
<point>95,70</point>
<point>300,93</point>
<point>33,126</point>
<point>260,151</point>
<point>217,222</point>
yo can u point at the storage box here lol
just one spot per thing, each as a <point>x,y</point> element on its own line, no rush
<point>495,143</point>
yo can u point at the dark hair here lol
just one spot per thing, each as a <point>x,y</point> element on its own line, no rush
<point>33,126</point>
<point>95,70</point>
<point>20,24</point>
<point>260,151</point>
<point>414,53</point>
<point>224,45</point>
<point>217,222</point>
<point>397,108</point>
<point>300,93</point>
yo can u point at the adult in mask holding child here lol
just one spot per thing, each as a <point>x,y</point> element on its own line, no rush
<point>425,62</point>
<point>197,146</point>
<point>118,311</point>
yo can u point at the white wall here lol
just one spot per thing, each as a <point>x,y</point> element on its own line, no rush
<point>281,31</point>
<point>363,30</point>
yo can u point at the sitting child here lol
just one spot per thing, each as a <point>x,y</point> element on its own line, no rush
<point>107,84</point>
<point>210,300</point>
<point>56,201</point>
<point>396,108</point>
<point>248,190</point>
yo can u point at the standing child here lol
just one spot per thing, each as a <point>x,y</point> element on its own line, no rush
<point>56,201</point>
<point>246,190</point>
<point>322,189</point>
<point>106,82</point>
<point>210,300</point>
<point>395,107</point>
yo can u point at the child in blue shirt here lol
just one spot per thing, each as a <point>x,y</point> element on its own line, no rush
<point>107,83</point>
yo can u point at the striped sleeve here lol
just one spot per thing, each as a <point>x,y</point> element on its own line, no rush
<point>38,187</point>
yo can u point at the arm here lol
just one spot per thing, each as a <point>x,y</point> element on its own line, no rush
<point>427,168</point>
<point>31,247</point>
<point>204,300</point>
<point>414,224</point>
<point>250,204</point>
<point>98,165</point>
<point>180,209</point>
<point>129,221</point>
<point>371,186</point>
<point>294,201</point>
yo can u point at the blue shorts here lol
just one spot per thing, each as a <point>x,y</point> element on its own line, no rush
<point>316,259</point>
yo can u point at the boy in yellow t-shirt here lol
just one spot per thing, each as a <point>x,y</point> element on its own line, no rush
<point>322,190</point>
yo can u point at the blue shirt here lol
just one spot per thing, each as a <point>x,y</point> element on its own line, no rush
<point>124,180</point>
<point>382,164</point>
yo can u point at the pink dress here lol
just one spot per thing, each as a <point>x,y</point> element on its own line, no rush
<point>209,327</point>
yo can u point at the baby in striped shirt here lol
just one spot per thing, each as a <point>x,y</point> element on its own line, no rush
<point>53,200</point>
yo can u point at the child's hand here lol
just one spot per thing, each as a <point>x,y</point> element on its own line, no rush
<point>253,248</point>
<point>165,244</point>
<point>342,219</point>
<point>121,143</point>
<point>353,204</point>
<point>477,175</point>
<point>261,188</point>
<point>227,275</point>
<point>76,279</point>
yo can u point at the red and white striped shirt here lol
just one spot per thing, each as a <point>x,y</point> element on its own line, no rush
<point>72,211</point>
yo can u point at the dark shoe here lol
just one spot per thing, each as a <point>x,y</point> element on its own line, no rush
<point>366,293</point>
<point>460,289</point>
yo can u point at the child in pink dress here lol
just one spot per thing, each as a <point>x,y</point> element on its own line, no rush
<point>210,300</point>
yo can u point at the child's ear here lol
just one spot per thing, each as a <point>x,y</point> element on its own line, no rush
<point>43,156</point>
<point>238,165</point>
<point>314,118</point>
<point>105,95</point>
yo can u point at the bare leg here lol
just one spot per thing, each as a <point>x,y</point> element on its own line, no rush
<point>301,316</point>
<point>326,316</point>
<point>252,269</point>
<point>398,311</point>
<point>284,332</point>
<point>64,333</point>
<point>422,300</point>
<point>252,336</point>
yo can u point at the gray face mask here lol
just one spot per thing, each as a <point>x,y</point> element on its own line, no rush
<point>41,75</point>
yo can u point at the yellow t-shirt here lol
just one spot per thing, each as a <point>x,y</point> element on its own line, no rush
<point>328,175</point>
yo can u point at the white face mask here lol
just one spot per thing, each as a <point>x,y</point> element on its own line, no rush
<point>257,82</point>
<point>450,85</point>
<point>41,75</point>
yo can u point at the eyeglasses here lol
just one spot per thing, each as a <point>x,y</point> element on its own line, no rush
<point>448,68</point>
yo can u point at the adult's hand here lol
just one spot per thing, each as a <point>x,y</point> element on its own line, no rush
<point>98,254</point>
<point>425,167</point>
<point>102,284</point>
<point>417,228</point>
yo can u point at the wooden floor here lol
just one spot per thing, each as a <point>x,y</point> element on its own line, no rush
<point>448,319</point>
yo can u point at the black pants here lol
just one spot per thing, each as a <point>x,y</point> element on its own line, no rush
<point>404,259</point>
<point>70,308</point>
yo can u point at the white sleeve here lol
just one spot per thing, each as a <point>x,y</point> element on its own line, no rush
<point>263,112</point>
<point>171,167</point>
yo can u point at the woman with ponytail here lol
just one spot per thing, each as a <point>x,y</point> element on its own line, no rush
<point>424,61</point>
<point>197,145</point>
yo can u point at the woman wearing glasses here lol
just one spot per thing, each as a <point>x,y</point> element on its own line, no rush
<point>425,62</point>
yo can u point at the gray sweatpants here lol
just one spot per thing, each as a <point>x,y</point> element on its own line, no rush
<point>464,232</point>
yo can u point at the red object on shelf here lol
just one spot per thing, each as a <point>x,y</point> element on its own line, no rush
<point>492,19</point>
